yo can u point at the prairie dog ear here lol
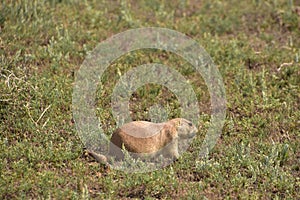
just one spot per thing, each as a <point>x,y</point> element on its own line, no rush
<point>170,131</point>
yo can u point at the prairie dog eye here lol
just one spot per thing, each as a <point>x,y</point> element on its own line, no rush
<point>190,124</point>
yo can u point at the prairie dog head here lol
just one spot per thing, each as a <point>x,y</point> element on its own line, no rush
<point>185,128</point>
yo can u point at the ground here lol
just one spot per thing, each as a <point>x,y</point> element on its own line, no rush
<point>255,46</point>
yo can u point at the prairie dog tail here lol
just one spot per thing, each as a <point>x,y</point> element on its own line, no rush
<point>98,157</point>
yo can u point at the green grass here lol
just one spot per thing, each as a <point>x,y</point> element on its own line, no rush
<point>256,46</point>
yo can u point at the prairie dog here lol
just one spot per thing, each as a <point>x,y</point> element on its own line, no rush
<point>147,140</point>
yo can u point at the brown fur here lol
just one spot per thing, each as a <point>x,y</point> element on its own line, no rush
<point>147,139</point>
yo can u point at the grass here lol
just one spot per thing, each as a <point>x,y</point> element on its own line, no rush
<point>255,46</point>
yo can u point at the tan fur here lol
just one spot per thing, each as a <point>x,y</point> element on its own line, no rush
<point>148,139</point>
